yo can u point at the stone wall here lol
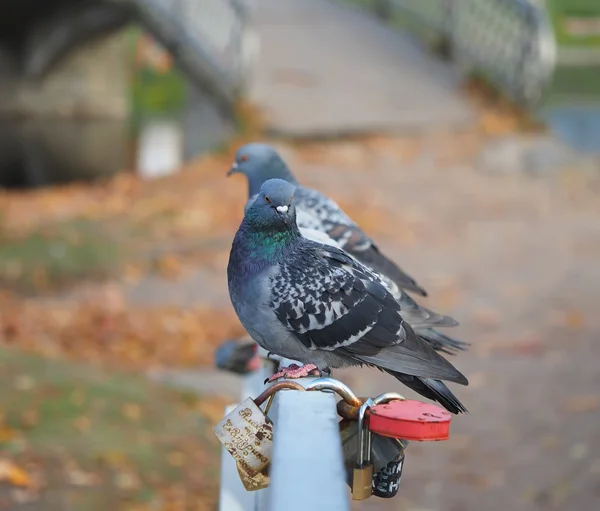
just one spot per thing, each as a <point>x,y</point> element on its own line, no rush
<point>91,82</point>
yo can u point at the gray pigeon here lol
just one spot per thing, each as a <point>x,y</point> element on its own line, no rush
<point>321,219</point>
<point>315,303</point>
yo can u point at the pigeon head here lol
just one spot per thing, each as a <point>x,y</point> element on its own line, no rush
<point>259,163</point>
<point>274,207</point>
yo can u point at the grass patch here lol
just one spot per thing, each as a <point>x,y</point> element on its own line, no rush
<point>575,82</point>
<point>563,10</point>
<point>55,255</point>
<point>100,439</point>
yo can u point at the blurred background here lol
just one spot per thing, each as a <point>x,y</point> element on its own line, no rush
<point>462,135</point>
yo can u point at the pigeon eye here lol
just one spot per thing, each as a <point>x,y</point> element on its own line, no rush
<point>244,157</point>
<point>267,200</point>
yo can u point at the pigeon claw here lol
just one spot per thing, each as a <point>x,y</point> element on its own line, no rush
<point>294,371</point>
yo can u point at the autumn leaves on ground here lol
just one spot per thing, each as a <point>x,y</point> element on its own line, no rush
<point>80,426</point>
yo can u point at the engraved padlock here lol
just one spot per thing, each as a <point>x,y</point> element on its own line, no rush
<point>362,474</point>
<point>247,434</point>
<point>386,454</point>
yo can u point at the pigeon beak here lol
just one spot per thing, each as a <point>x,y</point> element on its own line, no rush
<point>233,169</point>
<point>284,213</point>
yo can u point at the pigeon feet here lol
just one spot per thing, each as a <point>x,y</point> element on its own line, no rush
<point>294,371</point>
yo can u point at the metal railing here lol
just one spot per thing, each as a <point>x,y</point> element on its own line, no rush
<point>510,42</point>
<point>307,468</point>
<point>210,40</point>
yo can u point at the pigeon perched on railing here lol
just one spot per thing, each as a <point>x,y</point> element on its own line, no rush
<point>316,304</point>
<point>321,219</point>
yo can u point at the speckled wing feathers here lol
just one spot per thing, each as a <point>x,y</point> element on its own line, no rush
<point>331,302</point>
<point>317,211</point>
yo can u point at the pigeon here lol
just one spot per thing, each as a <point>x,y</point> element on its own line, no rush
<point>315,303</point>
<point>321,219</point>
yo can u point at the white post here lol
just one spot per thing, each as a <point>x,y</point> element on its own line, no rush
<point>307,466</point>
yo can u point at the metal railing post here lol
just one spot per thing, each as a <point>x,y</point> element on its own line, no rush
<point>307,466</point>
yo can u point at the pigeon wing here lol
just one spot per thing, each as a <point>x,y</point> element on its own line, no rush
<point>327,216</point>
<point>332,302</point>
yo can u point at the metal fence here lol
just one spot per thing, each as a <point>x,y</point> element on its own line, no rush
<point>510,42</point>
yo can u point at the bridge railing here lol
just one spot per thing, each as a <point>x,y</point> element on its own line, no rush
<point>210,40</point>
<point>510,42</point>
<point>306,460</point>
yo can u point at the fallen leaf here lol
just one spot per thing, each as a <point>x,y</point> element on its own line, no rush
<point>126,480</point>
<point>12,474</point>
<point>83,424</point>
<point>213,408</point>
<point>487,317</point>
<point>30,418</point>
<point>6,434</point>
<point>113,458</point>
<point>169,266</point>
<point>176,458</point>
<point>496,123</point>
<point>582,403</point>
<point>78,477</point>
<point>574,320</point>
<point>529,345</point>
<point>131,411</point>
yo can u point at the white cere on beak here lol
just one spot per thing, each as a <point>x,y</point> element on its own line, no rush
<point>282,209</point>
<point>234,165</point>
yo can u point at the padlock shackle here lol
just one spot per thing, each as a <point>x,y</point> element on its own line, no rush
<point>320,384</point>
<point>348,411</point>
<point>338,387</point>
<point>386,397</point>
<point>364,435</point>
<point>269,391</point>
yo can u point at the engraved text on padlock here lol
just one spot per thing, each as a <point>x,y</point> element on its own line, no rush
<point>247,434</point>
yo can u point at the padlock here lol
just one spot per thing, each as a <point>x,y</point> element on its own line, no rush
<point>247,433</point>
<point>362,479</point>
<point>411,420</point>
<point>385,455</point>
<point>386,481</point>
<point>392,420</point>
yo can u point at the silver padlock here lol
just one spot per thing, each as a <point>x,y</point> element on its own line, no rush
<point>247,433</point>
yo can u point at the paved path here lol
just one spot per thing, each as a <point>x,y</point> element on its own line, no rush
<point>514,258</point>
<point>328,69</point>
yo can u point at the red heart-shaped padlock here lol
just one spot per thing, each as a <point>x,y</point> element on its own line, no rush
<point>410,420</point>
